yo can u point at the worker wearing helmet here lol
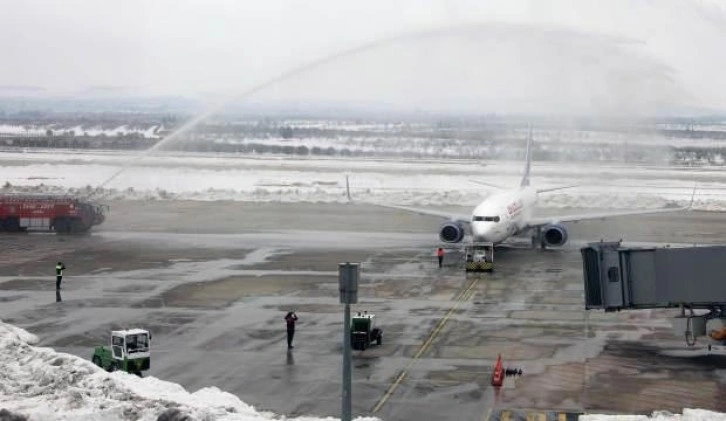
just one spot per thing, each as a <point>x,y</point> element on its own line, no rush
<point>59,274</point>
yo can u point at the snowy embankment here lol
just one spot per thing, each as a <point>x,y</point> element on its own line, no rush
<point>688,415</point>
<point>41,384</point>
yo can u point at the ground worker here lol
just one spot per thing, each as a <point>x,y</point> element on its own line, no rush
<point>59,274</point>
<point>440,255</point>
<point>290,318</point>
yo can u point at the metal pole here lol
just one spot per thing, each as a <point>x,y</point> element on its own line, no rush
<point>348,285</point>
<point>347,188</point>
<point>346,409</point>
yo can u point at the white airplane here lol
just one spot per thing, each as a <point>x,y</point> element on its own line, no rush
<point>509,213</point>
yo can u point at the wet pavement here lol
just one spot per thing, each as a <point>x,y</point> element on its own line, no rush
<point>214,296</point>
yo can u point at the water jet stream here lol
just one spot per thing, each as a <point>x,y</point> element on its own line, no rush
<point>301,69</point>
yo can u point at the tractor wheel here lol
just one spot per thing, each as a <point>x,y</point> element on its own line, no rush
<point>379,339</point>
<point>96,360</point>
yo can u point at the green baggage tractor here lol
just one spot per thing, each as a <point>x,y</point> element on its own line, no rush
<point>130,351</point>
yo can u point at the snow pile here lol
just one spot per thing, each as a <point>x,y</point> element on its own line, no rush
<point>41,384</point>
<point>688,415</point>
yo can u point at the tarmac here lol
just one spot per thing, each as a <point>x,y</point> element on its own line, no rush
<point>213,281</point>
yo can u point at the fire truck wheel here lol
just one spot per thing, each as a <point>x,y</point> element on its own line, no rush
<point>75,225</point>
<point>61,225</point>
<point>12,224</point>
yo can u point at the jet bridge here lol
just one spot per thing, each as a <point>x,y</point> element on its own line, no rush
<point>692,279</point>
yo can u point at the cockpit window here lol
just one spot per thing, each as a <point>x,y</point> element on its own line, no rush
<point>487,218</point>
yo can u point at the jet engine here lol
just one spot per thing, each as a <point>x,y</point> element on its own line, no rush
<point>554,235</point>
<point>451,232</point>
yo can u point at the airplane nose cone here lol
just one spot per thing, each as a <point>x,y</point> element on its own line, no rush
<point>479,231</point>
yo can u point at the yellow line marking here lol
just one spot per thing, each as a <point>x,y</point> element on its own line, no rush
<point>504,416</point>
<point>469,293</point>
<point>424,347</point>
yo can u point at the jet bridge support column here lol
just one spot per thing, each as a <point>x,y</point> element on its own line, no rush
<point>690,278</point>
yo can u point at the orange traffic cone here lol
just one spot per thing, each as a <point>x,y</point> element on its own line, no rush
<point>498,374</point>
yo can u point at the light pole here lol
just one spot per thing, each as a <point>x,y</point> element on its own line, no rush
<point>348,286</point>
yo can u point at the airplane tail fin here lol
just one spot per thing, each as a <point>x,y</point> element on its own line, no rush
<point>528,157</point>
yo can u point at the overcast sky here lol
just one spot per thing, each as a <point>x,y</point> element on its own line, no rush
<point>601,56</point>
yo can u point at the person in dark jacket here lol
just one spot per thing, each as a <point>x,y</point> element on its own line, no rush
<point>59,274</point>
<point>290,319</point>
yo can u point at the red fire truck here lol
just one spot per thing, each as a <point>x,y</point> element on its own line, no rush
<point>62,214</point>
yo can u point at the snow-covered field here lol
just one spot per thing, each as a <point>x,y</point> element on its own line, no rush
<point>41,130</point>
<point>196,176</point>
<point>636,145</point>
<point>42,384</point>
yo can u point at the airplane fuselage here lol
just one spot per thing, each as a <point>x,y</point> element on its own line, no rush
<point>502,215</point>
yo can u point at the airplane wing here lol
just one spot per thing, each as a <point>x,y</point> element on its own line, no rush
<point>557,188</point>
<point>538,222</point>
<point>430,212</point>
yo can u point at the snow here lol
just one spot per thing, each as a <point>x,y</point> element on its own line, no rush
<point>46,385</point>
<point>432,182</point>
<point>40,130</point>
<point>43,384</point>
<point>688,415</point>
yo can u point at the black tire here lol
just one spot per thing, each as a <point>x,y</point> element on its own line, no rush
<point>60,225</point>
<point>379,339</point>
<point>75,225</point>
<point>96,360</point>
<point>12,225</point>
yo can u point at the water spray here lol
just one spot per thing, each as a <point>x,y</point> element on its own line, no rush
<point>473,28</point>
<point>296,71</point>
